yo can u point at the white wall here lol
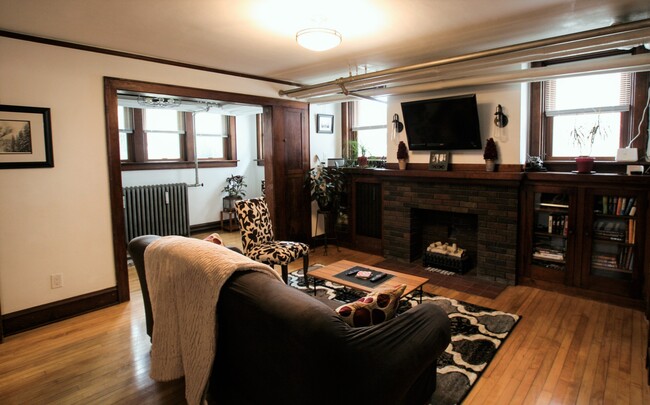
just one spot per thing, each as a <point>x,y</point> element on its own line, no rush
<point>58,220</point>
<point>205,202</point>
<point>508,139</point>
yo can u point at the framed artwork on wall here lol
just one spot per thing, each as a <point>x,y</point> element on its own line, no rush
<point>324,123</point>
<point>438,160</point>
<point>25,137</point>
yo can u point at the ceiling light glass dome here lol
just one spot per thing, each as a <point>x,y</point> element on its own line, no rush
<point>318,39</point>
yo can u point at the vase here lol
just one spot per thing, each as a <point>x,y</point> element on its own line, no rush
<point>362,161</point>
<point>402,164</point>
<point>489,165</point>
<point>584,164</point>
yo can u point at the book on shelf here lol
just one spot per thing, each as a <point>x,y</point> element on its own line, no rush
<point>631,231</point>
<point>557,224</point>
<point>619,203</point>
<point>631,202</point>
<point>632,211</point>
<point>541,255</point>
<point>546,252</point>
<point>612,205</point>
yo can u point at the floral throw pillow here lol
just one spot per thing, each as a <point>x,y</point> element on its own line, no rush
<point>376,307</point>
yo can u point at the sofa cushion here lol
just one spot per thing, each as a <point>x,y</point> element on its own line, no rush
<point>376,307</point>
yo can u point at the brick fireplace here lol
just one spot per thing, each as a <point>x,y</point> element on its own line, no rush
<point>481,217</point>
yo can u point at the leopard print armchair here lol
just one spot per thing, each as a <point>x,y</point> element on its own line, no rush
<point>258,241</point>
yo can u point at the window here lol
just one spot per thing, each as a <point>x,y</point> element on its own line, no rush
<point>582,104</point>
<point>161,138</point>
<point>612,103</point>
<point>259,128</point>
<point>163,129</point>
<point>370,127</point>
<point>125,127</point>
<point>210,129</point>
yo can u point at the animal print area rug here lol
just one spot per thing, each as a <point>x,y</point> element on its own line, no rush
<point>476,335</point>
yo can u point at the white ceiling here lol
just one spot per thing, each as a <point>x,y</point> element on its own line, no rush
<point>257,37</point>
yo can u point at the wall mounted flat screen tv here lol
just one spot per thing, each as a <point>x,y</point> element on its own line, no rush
<point>449,123</point>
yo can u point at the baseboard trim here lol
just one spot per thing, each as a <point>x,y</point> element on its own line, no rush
<point>204,227</point>
<point>41,315</point>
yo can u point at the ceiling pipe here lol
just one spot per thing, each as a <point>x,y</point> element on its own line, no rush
<point>606,35</point>
<point>619,64</point>
<point>515,60</point>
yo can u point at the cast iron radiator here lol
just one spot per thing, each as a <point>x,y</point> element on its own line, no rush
<point>156,210</point>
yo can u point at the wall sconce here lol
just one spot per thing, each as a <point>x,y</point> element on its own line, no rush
<point>501,120</point>
<point>397,128</point>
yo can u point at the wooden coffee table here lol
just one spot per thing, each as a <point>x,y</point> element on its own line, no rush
<point>329,272</point>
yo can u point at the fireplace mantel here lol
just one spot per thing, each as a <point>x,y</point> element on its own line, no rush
<point>505,178</point>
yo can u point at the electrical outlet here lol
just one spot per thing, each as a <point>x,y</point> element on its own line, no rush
<point>56,280</point>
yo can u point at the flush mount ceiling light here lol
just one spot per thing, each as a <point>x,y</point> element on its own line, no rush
<point>318,39</point>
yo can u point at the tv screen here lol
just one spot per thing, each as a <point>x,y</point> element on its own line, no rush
<point>449,123</point>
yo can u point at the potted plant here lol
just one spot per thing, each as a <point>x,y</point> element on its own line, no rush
<point>325,184</point>
<point>362,160</point>
<point>490,154</point>
<point>235,188</point>
<point>402,155</point>
<point>584,139</point>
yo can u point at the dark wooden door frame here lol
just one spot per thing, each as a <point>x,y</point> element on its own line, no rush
<point>111,87</point>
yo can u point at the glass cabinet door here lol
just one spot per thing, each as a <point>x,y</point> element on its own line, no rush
<point>613,239</point>
<point>550,234</point>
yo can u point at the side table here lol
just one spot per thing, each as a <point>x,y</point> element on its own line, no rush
<point>231,218</point>
<point>326,215</point>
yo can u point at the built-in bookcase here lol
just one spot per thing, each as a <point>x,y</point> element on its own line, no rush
<point>549,256</point>
<point>613,261</point>
<point>589,238</point>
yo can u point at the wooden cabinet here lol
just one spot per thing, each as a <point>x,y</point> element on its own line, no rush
<point>360,220</point>
<point>550,248</point>
<point>612,240</point>
<point>584,234</point>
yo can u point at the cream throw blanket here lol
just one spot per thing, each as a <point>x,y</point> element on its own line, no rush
<point>185,277</point>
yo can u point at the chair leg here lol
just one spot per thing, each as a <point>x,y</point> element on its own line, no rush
<point>285,273</point>
<point>305,268</point>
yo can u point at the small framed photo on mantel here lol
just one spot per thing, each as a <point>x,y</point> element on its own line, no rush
<point>324,123</point>
<point>438,160</point>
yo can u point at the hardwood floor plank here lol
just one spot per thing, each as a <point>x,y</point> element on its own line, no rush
<point>565,350</point>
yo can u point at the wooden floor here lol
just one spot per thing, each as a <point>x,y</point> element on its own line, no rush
<point>565,350</point>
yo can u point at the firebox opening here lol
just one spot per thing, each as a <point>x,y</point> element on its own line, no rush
<point>429,226</point>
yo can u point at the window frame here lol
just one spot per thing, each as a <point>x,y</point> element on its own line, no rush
<point>540,142</point>
<point>137,145</point>
<point>350,131</point>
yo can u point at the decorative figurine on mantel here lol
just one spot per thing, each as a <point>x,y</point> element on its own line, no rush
<point>535,164</point>
<point>402,155</point>
<point>490,155</point>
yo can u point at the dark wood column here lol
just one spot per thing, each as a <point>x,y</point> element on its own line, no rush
<point>286,160</point>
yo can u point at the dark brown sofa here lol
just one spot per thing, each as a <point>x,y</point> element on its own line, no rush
<point>279,345</point>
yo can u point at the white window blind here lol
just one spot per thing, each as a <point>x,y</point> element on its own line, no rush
<point>163,128</point>
<point>210,130</point>
<point>587,94</point>
<point>371,126</point>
